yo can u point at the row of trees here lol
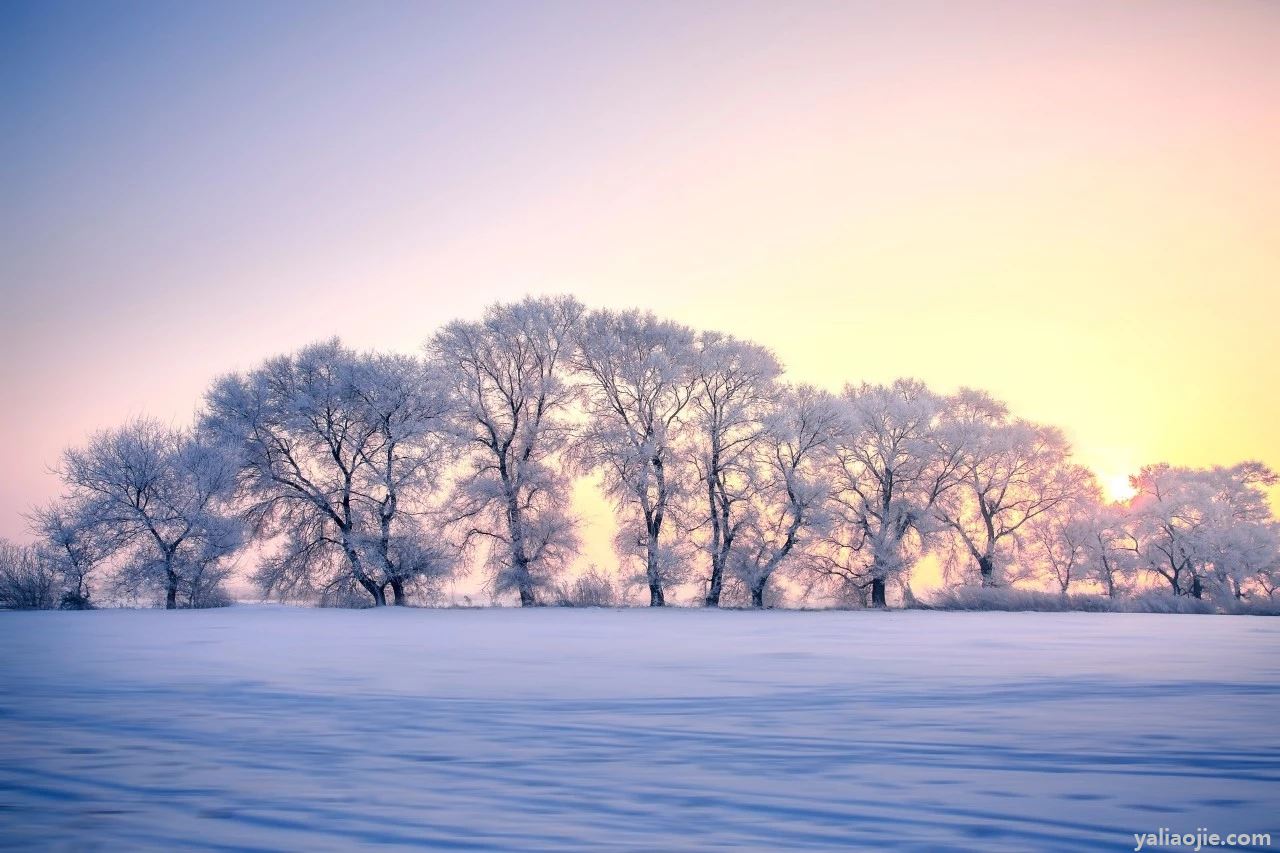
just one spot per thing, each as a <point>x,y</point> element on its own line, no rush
<point>376,476</point>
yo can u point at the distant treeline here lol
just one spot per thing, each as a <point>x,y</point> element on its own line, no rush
<point>373,478</point>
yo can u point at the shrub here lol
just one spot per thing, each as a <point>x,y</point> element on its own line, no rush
<point>347,595</point>
<point>1008,599</point>
<point>72,600</point>
<point>211,596</point>
<point>1256,607</point>
<point>28,581</point>
<point>1163,602</point>
<point>592,589</point>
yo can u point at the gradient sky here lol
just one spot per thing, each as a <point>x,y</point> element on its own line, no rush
<point>1073,205</point>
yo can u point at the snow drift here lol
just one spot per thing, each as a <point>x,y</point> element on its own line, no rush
<point>280,728</point>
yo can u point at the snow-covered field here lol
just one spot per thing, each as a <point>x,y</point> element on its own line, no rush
<point>286,729</point>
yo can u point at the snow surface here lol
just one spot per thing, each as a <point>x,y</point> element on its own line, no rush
<point>279,728</point>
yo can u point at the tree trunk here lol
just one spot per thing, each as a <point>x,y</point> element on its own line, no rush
<point>986,567</point>
<point>757,593</point>
<point>656,596</point>
<point>515,527</point>
<point>877,592</point>
<point>171,589</point>
<point>397,590</point>
<point>717,583</point>
<point>717,572</point>
<point>376,592</point>
<point>527,596</point>
<point>1197,589</point>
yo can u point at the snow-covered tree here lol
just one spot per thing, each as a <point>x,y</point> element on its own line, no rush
<point>889,472</point>
<point>1110,550</point>
<point>511,394</point>
<point>1266,581</point>
<point>296,424</point>
<point>1205,530</point>
<point>1058,545</point>
<point>77,547</point>
<point>733,389</point>
<point>159,497</point>
<point>335,448</point>
<point>640,377</point>
<point>361,473</point>
<point>405,404</point>
<point>1009,472</point>
<point>788,507</point>
<point>1244,537</point>
<point>1244,556</point>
